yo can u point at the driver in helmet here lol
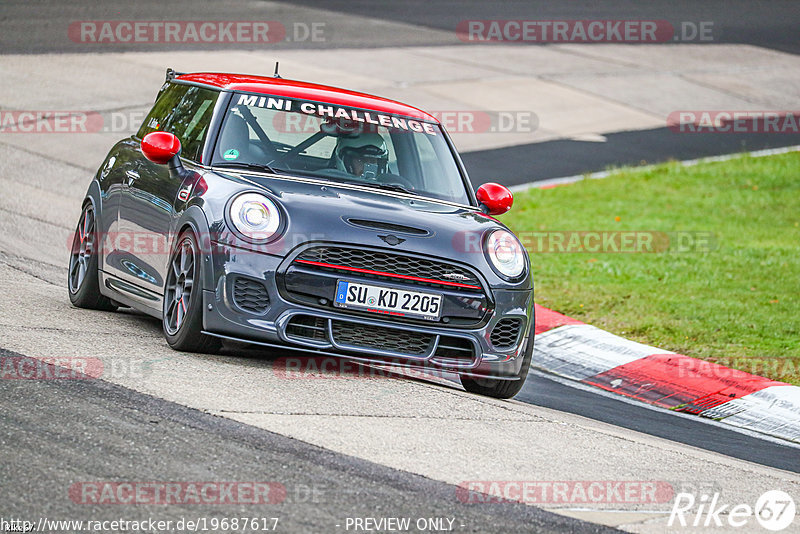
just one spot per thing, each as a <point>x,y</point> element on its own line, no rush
<point>365,156</point>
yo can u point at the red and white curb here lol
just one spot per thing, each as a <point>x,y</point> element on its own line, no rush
<point>580,352</point>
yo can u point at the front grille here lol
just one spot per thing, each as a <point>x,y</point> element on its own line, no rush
<point>407,345</point>
<point>505,334</point>
<point>379,264</point>
<point>250,295</point>
<point>378,337</point>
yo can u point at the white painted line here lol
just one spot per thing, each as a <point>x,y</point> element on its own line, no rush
<point>581,351</point>
<point>686,163</point>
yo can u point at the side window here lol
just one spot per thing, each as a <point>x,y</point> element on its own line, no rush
<point>167,101</point>
<point>185,111</point>
<point>190,120</point>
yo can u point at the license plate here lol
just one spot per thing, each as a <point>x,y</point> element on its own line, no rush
<point>388,301</point>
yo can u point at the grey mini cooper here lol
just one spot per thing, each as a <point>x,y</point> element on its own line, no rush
<point>296,215</point>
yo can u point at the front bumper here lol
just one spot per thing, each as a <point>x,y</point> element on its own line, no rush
<point>284,323</point>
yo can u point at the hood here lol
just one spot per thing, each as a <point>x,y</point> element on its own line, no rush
<point>333,208</point>
<point>329,212</point>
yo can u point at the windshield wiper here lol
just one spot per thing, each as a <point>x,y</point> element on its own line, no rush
<point>248,166</point>
<point>388,187</point>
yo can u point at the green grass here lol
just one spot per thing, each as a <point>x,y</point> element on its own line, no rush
<point>736,305</point>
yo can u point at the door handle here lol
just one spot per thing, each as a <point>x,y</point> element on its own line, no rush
<point>132,176</point>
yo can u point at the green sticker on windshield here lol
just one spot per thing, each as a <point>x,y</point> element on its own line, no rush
<point>231,154</point>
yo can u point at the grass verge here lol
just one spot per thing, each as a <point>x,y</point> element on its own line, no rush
<point>720,280</point>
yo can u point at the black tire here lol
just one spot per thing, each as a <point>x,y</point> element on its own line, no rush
<point>83,282</point>
<point>502,389</point>
<point>182,312</point>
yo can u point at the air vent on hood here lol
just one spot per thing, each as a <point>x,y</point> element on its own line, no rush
<point>388,227</point>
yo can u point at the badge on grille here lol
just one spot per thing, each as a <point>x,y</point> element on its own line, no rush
<point>392,239</point>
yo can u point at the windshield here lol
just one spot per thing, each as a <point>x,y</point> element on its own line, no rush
<point>341,144</point>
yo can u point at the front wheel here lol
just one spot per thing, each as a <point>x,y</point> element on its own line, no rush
<point>183,300</point>
<point>502,389</point>
<point>83,281</point>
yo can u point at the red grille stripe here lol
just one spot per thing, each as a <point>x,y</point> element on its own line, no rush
<point>392,275</point>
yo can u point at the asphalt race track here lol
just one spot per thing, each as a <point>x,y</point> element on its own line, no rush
<point>542,390</point>
<point>337,446</point>
<point>739,21</point>
<point>93,427</point>
<point>569,157</point>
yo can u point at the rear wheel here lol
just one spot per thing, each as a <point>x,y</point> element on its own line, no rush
<point>183,300</point>
<point>502,389</point>
<point>83,281</point>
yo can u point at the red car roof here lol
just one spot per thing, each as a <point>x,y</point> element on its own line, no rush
<point>303,90</point>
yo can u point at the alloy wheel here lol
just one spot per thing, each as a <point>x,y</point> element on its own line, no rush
<point>180,285</point>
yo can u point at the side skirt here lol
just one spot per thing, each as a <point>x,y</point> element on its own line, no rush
<point>130,295</point>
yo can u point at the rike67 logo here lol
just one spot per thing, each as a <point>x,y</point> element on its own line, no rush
<point>774,510</point>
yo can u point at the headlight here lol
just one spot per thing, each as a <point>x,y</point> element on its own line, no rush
<point>255,216</point>
<point>505,253</point>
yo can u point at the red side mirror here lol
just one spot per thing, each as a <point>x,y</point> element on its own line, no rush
<point>497,198</point>
<point>160,147</point>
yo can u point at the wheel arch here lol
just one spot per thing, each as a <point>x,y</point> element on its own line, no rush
<point>194,219</point>
<point>93,195</point>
